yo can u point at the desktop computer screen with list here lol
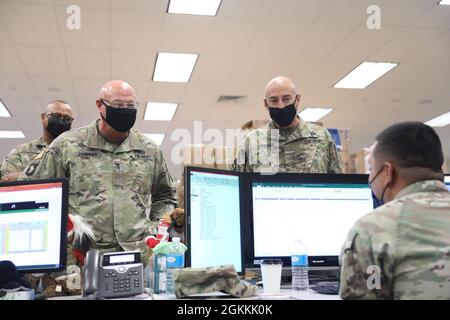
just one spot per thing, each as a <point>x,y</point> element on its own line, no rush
<point>214,219</point>
<point>319,213</point>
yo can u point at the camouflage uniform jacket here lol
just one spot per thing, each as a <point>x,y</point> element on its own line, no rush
<point>19,157</point>
<point>307,148</point>
<point>408,242</point>
<point>119,190</point>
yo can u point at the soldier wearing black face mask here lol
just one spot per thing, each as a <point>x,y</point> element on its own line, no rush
<point>56,120</point>
<point>287,144</point>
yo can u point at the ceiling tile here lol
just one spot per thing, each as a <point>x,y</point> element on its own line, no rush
<point>166,92</point>
<point>133,65</point>
<point>9,61</point>
<point>363,42</point>
<point>18,87</point>
<point>94,32</point>
<point>405,44</point>
<point>276,38</point>
<point>318,42</point>
<point>101,4</point>
<point>158,6</point>
<point>201,93</point>
<point>89,63</point>
<point>231,36</point>
<point>214,69</point>
<point>25,108</point>
<point>43,61</point>
<point>436,17</point>
<point>30,24</point>
<point>330,72</point>
<point>437,51</point>
<point>87,90</point>
<point>403,12</point>
<point>184,33</point>
<point>246,8</point>
<point>4,37</point>
<point>135,30</point>
<point>347,11</point>
<point>299,10</point>
<point>53,88</point>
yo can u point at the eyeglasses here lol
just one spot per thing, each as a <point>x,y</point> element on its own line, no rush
<point>59,116</point>
<point>121,105</point>
<point>285,100</point>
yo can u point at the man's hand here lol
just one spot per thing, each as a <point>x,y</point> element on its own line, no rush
<point>13,176</point>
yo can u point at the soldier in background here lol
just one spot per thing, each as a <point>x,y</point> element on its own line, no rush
<point>119,181</point>
<point>402,249</point>
<point>56,120</point>
<point>287,143</point>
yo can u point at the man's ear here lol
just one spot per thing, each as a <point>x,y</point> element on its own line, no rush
<point>265,104</point>
<point>98,103</point>
<point>390,172</point>
<point>42,116</point>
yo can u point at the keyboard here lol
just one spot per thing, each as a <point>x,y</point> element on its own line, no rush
<point>326,287</point>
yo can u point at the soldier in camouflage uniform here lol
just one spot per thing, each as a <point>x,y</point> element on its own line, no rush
<point>402,249</point>
<point>57,119</point>
<point>119,181</point>
<point>287,143</point>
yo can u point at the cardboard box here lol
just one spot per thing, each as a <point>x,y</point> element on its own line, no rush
<point>360,161</point>
<point>346,161</point>
<point>224,157</point>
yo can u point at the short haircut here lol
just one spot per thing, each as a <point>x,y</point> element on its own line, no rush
<point>410,144</point>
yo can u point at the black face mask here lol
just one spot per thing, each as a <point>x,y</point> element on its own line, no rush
<point>120,119</point>
<point>56,126</point>
<point>283,117</point>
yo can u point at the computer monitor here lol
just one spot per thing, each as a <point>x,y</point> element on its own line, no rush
<point>33,224</point>
<point>213,215</point>
<point>319,209</point>
<point>447,181</point>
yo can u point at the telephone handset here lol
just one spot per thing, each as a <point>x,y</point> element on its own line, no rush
<point>112,275</point>
<point>90,282</point>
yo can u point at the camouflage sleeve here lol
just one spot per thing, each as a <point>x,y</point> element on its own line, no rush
<point>366,273</point>
<point>334,161</point>
<point>48,164</point>
<point>240,162</point>
<point>12,163</point>
<point>163,190</point>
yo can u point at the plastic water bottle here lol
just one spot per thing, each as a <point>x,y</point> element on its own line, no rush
<point>175,260</point>
<point>299,262</point>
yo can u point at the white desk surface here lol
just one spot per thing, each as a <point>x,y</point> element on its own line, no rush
<point>285,294</point>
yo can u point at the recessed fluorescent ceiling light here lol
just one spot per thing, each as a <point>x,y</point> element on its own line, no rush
<point>11,134</point>
<point>365,74</point>
<point>160,111</point>
<point>3,111</point>
<point>445,2</point>
<point>200,7</point>
<point>174,67</point>
<point>440,121</point>
<point>156,137</point>
<point>314,114</point>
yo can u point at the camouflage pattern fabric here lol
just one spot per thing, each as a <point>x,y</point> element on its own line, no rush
<point>191,281</point>
<point>120,190</point>
<point>307,148</point>
<point>19,157</point>
<point>408,240</point>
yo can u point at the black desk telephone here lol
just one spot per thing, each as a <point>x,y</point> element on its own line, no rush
<point>112,275</point>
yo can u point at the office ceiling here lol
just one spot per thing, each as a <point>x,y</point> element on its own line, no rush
<point>314,42</point>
